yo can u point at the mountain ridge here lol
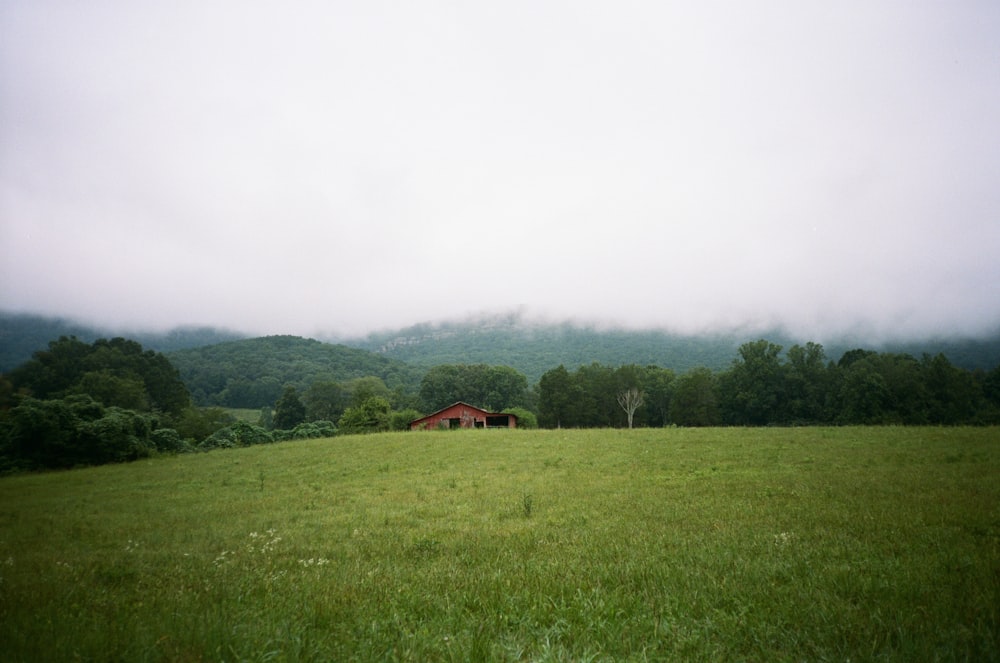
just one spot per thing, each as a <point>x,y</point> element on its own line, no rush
<point>529,346</point>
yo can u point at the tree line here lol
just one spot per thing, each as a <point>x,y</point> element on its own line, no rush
<point>764,387</point>
<point>76,403</point>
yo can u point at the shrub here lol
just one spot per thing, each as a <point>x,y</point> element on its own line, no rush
<point>525,418</point>
<point>167,440</point>
<point>240,434</point>
<point>401,420</point>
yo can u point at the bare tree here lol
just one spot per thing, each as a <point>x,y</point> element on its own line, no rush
<point>630,400</point>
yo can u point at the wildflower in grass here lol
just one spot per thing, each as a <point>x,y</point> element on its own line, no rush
<point>783,539</point>
<point>264,543</point>
<point>314,561</point>
<point>131,546</point>
<point>224,556</point>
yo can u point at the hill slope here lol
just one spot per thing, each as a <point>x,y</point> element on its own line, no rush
<point>253,372</point>
<point>533,349</point>
<point>22,335</point>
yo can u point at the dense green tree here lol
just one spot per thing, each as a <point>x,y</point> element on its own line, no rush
<point>400,420</point>
<point>752,392</point>
<point>76,430</point>
<point>42,433</point>
<point>489,387</point>
<point>371,416</point>
<point>289,411</point>
<point>657,384</point>
<point>504,387</point>
<point>953,394</point>
<point>52,372</point>
<point>597,406</point>
<point>324,400</point>
<point>194,424</point>
<point>118,436</point>
<point>807,383</point>
<point>864,397</point>
<point>111,389</point>
<point>359,390</point>
<point>115,372</point>
<point>694,401</point>
<point>556,393</point>
<point>525,418</point>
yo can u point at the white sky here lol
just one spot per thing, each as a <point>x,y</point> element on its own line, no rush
<point>344,166</point>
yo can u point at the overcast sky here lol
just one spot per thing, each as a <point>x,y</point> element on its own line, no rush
<point>345,166</point>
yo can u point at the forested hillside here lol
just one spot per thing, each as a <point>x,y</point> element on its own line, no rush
<point>533,349</point>
<point>509,340</point>
<point>252,373</point>
<point>21,335</point>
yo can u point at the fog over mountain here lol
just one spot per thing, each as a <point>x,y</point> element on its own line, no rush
<point>340,168</point>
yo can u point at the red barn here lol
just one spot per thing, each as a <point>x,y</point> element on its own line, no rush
<point>463,415</point>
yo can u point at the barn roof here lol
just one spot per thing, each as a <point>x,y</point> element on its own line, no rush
<point>471,407</point>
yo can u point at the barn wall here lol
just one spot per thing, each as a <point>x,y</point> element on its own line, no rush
<point>463,415</point>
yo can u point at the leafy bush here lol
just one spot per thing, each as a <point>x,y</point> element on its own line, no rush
<point>372,416</point>
<point>239,434</point>
<point>120,435</point>
<point>306,431</point>
<point>74,431</point>
<point>401,420</point>
<point>525,418</point>
<point>167,440</point>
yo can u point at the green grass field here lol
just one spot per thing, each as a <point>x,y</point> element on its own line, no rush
<point>818,544</point>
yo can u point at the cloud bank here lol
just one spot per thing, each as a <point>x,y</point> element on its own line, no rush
<point>349,166</point>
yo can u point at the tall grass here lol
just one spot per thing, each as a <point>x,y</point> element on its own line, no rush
<point>718,544</point>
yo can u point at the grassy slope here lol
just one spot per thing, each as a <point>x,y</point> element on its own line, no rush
<point>724,544</point>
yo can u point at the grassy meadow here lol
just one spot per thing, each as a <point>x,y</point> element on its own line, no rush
<point>819,544</point>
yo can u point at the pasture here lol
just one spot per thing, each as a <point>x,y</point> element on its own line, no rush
<point>820,544</point>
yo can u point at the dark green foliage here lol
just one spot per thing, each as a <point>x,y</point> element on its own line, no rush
<point>400,420</point>
<point>694,400</point>
<point>119,436</point>
<point>306,431</point>
<point>168,440</point>
<point>534,349</point>
<point>657,385</point>
<point>252,373</point>
<point>763,388</point>
<point>525,418</point>
<point>489,387</point>
<point>21,335</point>
<point>324,400</point>
<point>588,397</point>
<point>806,383</point>
<point>239,434</point>
<point>75,431</point>
<point>196,423</point>
<point>753,391</point>
<point>116,372</point>
<point>40,433</point>
<point>557,393</point>
<point>289,411</point>
<point>371,416</point>
<point>360,390</point>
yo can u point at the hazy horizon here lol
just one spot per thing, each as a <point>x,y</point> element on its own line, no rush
<point>521,320</point>
<point>342,168</point>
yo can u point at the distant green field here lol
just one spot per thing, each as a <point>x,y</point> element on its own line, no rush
<point>819,544</point>
<point>249,415</point>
